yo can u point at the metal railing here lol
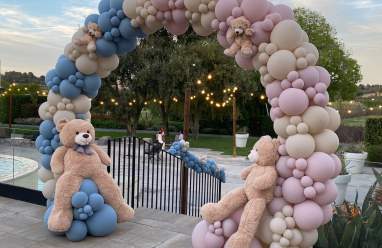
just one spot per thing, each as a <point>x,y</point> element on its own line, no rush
<point>153,178</point>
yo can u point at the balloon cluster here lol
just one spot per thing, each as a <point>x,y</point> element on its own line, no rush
<point>208,166</point>
<point>91,215</point>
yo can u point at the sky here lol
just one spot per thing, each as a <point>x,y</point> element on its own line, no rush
<point>33,33</point>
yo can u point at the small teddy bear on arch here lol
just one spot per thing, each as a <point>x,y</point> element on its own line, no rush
<point>260,179</point>
<point>240,32</point>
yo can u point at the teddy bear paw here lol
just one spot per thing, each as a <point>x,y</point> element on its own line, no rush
<point>229,53</point>
<point>209,212</point>
<point>60,221</point>
<point>238,241</point>
<point>247,51</point>
<point>216,228</point>
<point>125,213</point>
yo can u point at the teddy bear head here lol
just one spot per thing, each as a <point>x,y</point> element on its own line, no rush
<point>239,25</point>
<point>265,151</point>
<point>76,132</point>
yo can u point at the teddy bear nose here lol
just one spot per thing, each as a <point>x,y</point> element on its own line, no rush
<point>85,135</point>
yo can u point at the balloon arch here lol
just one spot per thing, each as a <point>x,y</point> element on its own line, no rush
<point>258,35</point>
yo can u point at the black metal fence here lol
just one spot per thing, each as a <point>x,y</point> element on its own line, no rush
<point>153,178</point>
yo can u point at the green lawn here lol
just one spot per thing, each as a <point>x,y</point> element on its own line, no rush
<point>358,121</point>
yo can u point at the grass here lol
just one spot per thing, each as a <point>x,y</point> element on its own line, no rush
<point>358,121</point>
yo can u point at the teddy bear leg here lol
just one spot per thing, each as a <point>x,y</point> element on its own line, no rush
<point>246,49</point>
<point>232,50</point>
<point>113,196</point>
<point>232,201</point>
<point>61,216</point>
<point>250,220</point>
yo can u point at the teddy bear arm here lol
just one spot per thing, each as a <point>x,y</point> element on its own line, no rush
<point>265,181</point>
<point>105,159</point>
<point>57,162</point>
<point>249,32</point>
<point>244,173</point>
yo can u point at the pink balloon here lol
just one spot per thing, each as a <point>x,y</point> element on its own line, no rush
<point>298,83</point>
<point>277,192</point>
<point>306,181</point>
<point>178,15</point>
<point>291,163</point>
<point>243,62</point>
<point>214,241</point>
<point>285,11</point>
<point>293,101</point>
<point>274,102</point>
<point>237,215</point>
<point>319,187</point>
<point>276,205</point>
<point>298,174</point>
<point>301,164</point>
<point>310,192</point>
<point>159,15</point>
<point>254,10</point>
<point>282,168</point>
<point>282,150</point>
<point>223,27</point>
<point>293,75</point>
<point>329,195</point>
<point>223,9</point>
<point>320,99</point>
<point>311,92</point>
<point>280,181</point>
<point>273,89</point>
<point>320,167</point>
<point>338,165</point>
<point>199,233</point>
<point>260,35</point>
<point>285,84</point>
<point>293,192</point>
<point>160,4</point>
<point>256,244</point>
<point>267,25</point>
<point>308,215</point>
<point>237,11</point>
<point>222,40</point>
<point>179,4</point>
<point>324,75</point>
<point>320,87</point>
<point>276,112</point>
<point>176,28</point>
<point>215,24</point>
<point>229,227</point>
<point>310,76</point>
<point>328,214</point>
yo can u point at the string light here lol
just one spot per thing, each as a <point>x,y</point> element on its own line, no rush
<point>145,103</point>
<point>101,102</point>
<point>349,111</point>
<point>330,103</point>
<point>116,103</point>
<point>175,99</point>
<point>371,109</point>
<point>130,104</point>
<point>112,100</point>
<point>251,94</point>
<point>199,81</point>
<point>262,97</point>
<point>203,92</point>
<point>160,102</point>
<point>209,76</point>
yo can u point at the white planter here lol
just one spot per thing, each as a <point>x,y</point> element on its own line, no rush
<point>342,182</point>
<point>241,140</point>
<point>355,162</point>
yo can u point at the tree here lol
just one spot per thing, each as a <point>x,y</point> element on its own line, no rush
<point>21,78</point>
<point>344,70</point>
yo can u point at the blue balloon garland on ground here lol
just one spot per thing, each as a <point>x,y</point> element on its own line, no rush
<point>208,166</point>
<point>91,216</point>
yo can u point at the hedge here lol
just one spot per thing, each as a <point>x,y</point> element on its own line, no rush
<point>373,139</point>
<point>24,106</point>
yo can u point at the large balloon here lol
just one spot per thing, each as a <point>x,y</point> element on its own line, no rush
<point>308,215</point>
<point>321,167</point>
<point>103,222</point>
<point>293,101</point>
<point>293,192</point>
<point>287,35</point>
<point>281,63</point>
<point>317,119</point>
<point>300,146</point>
<point>254,10</point>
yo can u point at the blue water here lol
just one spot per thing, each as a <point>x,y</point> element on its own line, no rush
<point>7,166</point>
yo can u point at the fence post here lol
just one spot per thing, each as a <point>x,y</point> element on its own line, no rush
<point>184,190</point>
<point>108,153</point>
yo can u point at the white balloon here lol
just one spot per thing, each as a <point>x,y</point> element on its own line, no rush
<point>49,187</point>
<point>53,98</point>
<point>63,115</point>
<point>86,65</point>
<point>109,63</point>
<point>43,110</point>
<point>44,174</point>
<point>82,104</point>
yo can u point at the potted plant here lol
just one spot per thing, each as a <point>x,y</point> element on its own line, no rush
<point>354,158</point>
<point>342,182</point>
<point>241,137</point>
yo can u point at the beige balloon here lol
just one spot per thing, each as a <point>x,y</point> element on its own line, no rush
<point>310,48</point>
<point>327,141</point>
<point>43,110</point>
<point>82,104</point>
<point>256,62</point>
<point>309,238</point>
<point>63,115</point>
<point>281,63</point>
<point>53,98</point>
<point>280,125</point>
<point>44,174</point>
<point>200,30</point>
<point>49,187</point>
<point>129,7</point>
<point>304,36</point>
<point>334,118</point>
<point>68,50</point>
<point>287,35</point>
<point>192,5</point>
<point>86,65</point>
<point>109,63</point>
<point>206,19</point>
<point>300,145</point>
<point>317,119</point>
<point>264,233</point>
<point>103,73</point>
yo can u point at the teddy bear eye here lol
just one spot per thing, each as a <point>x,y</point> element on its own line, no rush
<point>77,132</point>
<point>88,131</point>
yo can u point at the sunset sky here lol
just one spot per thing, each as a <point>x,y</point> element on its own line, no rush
<point>33,33</point>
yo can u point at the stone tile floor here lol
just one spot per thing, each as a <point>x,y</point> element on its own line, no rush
<point>21,226</point>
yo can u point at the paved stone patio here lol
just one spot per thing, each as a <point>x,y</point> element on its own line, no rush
<point>21,226</point>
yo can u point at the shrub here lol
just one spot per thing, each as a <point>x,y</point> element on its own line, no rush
<point>373,139</point>
<point>24,106</point>
<point>348,134</point>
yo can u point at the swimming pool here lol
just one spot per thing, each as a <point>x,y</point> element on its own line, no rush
<point>12,167</point>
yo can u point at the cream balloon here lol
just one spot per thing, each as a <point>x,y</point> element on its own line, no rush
<point>192,5</point>
<point>280,125</point>
<point>334,118</point>
<point>82,104</point>
<point>43,110</point>
<point>63,115</point>
<point>129,8</point>
<point>103,73</point>
<point>53,98</point>
<point>326,141</point>
<point>108,63</point>
<point>300,145</point>
<point>206,19</point>
<point>86,65</point>
<point>317,119</point>
<point>200,30</point>
<point>310,48</point>
<point>281,63</point>
<point>287,35</point>
<point>264,232</point>
<point>44,174</point>
<point>309,238</point>
<point>49,187</point>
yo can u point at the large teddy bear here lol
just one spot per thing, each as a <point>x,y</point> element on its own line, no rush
<point>240,32</point>
<point>260,179</point>
<point>77,159</point>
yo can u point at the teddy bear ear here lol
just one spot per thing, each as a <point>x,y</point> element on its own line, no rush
<point>61,124</point>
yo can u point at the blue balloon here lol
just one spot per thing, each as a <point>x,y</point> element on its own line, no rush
<point>79,75</point>
<point>116,4</point>
<point>65,67</point>
<point>108,36</point>
<point>54,144</point>
<point>68,90</point>
<point>126,46</point>
<point>88,186</point>
<point>92,84</point>
<point>115,21</point>
<point>96,201</point>
<point>47,214</point>
<point>104,22</point>
<point>93,18</point>
<point>56,89</point>
<point>46,129</point>
<point>48,150</point>
<point>120,14</point>
<point>77,232</point>
<point>45,161</point>
<point>79,199</point>
<point>103,222</point>
<point>72,79</point>
<point>80,83</point>
<point>115,32</point>
<point>88,209</point>
<point>57,138</point>
<point>127,31</point>
<point>105,48</point>
<point>104,6</point>
<point>50,75</point>
<point>46,142</point>
<point>112,12</point>
<point>39,141</point>
<point>83,216</point>
<point>49,203</point>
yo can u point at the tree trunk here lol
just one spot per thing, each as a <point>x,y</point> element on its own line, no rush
<point>164,116</point>
<point>195,125</point>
